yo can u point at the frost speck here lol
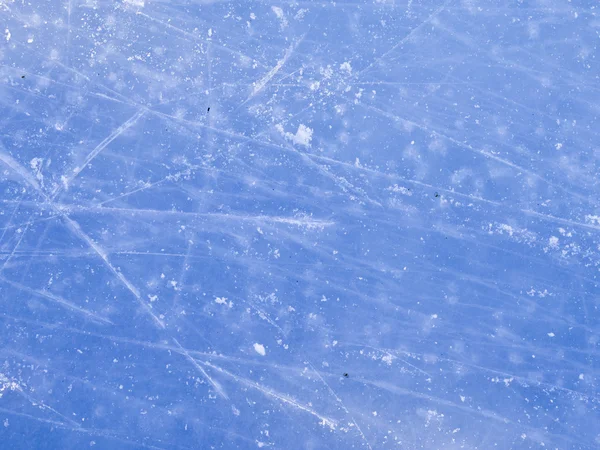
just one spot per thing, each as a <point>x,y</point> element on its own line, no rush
<point>260,349</point>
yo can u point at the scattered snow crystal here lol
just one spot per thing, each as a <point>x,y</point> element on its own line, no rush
<point>260,349</point>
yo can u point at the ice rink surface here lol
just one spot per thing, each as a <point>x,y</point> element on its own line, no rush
<point>369,224</point>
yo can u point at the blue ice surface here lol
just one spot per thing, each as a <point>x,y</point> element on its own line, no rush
<point>360,224</point>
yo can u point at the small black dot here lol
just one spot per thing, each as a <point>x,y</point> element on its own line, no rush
<point>436,195</point>
<point>346,375</point>
<point>22,76</point>
<point>208,110</point>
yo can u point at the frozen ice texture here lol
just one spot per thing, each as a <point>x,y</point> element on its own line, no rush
<point>368,224</point>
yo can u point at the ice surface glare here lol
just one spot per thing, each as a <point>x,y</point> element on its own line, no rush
<point>361,224</point>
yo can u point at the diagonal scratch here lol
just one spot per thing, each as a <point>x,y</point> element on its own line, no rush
<point>59,300</point>
<point>332,423</point>
<point>402,41</point>
<point>76,230</point>
<point>200,369</point>
<point>260,84</point>
<point>343,406</point>
<point>96,151</point>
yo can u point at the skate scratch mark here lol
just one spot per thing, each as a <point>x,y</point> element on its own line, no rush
<point>263,315</point>
<point>59,300</point>
<point>276,395</point>
<point>343,406</point>
<point>200,369</point>
<point>260,84</point>
<point>76,230</point>
<point>96,151</point>
<point>411,33</point>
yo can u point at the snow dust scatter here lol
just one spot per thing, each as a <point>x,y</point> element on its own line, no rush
<point>537,293</point>
<point>7,384</point>
<point>400,190</point>
<point>303,135</point>
<point>345,66</point>
<point>136,3</point>
<point>280,15</point>
<point>260,349</point>
<point>388,359</point>
<point>592,219</point>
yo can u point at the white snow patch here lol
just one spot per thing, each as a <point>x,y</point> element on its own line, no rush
<point>7,34</point>
<point>581,376</point>
<point>595,220</point>
<point>346,67</point>
<point>303,135</point>
<point>533,293</point>
<point>553,242</point>
<point>280,15</point>
<point>388,359</point>
<point>36,165</point>
<point>223,301</point>
<point>5,384</point>
<point>260,349</point>
<point>400,189</point>
<point>551,334</point>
